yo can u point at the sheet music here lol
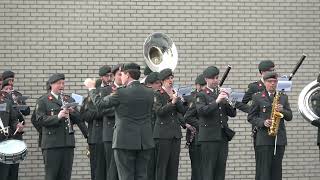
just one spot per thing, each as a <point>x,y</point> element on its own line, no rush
<point>3,107</point>
<point>236,96</point>
<point>78,98</point>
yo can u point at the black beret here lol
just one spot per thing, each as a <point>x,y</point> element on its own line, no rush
<point>7,74</point>
<point>200,80</point>
<point>165,73</point>
<point>104,70</point>
<point>318,78</point>
<point>5,83</point>
<point>269,75</point>
<point>55,77</point>
<point>210,72</point>
<point>116,68</point>
<point>147,71</point>
<point>152,77</point>
<point>265,65</point>
<point>130,66</point>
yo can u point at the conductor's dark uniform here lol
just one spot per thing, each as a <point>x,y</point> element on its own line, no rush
<point>132,138</point>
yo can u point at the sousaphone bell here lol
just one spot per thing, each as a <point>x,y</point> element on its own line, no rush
<point>308,99</point>
<point>160,52</point>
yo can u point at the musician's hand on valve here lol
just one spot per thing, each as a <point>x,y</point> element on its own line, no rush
<point>223,95</point>
<point>90,83</point>
<point>63,114</point>
<point>267,122</point>
<point>279,107</point>
<point>191,128</point>
<point>71,109</point>
<point>174,98</point>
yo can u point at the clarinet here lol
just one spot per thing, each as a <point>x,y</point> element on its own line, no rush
<point>70,126</point>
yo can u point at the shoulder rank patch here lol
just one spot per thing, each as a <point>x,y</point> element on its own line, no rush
<point>50,98</point>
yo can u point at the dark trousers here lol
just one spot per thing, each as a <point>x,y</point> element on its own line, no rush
<point>132,164</point>
<point>14,171</point>
<point>269,166</point>
<point>4,171</point>
<point>152,165</point>
<point>111,168</point>
<point>213,159</point>
<point>195,157</point>
<point>100,172</point>
<point>168,152</point>
<point>92,156</point>
<point>58,163</point>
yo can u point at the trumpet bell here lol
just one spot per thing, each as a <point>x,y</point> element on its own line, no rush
<point>160,52</point>
<point>308,99</point>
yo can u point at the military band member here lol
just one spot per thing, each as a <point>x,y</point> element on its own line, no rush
<point>8,119</point>
<point>105,122</point>
<point>269,158</point>
<point>152,81</point>
<point>213,110</point>
<point>254,87</point>
<point>108,117</point>
<point>89,113</point>
<point>117,76</point>
<point>167,131</point>
<point>57,143</point>
<point>16,98</point>
<point>34,120</point>
<point>132,138</point>
<point>191,117</point>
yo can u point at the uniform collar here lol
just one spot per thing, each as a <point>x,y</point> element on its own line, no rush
<point>55,95</point>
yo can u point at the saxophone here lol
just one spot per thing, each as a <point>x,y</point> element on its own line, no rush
<point>276,116</point>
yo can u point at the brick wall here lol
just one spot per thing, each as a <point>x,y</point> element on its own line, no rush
<point>75,37</point>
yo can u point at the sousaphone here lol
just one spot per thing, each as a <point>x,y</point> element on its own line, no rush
<point>160,52</point>
<point>308,99</point>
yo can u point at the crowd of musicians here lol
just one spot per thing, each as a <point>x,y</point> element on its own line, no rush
<point>133,129</point>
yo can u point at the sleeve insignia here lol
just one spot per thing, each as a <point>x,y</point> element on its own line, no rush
<point>50,97</point>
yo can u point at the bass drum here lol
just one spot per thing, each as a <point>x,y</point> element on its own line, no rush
<point>12,151</point>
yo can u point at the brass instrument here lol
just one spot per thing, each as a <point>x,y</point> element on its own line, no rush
<point>306,104</point>
<point>160,52</point>
<point>276,116</point>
